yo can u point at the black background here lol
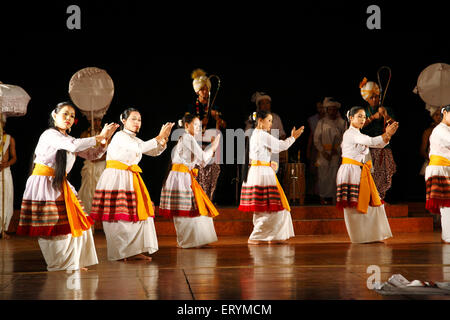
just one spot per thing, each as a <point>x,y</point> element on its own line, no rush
<point>295,52</point>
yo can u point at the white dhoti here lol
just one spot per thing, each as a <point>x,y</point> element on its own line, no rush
<point>272,226</point>
<point>367,227</point>
<point>445,223</point>
<point>194,231</point>
<point>90,174</point>
<point>9,198</point>
<point>126,239</point>
<point>68,253</point>
<point>327,180</point>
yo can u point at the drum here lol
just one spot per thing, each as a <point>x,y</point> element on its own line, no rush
<point>294,182</point>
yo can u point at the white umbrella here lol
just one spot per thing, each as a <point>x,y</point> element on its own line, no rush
<point>433,84</point>
<point>13,103</point>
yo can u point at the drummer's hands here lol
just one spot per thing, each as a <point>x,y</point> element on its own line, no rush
<point>297,132</point>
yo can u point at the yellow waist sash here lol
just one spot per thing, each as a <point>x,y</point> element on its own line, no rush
<point>284,200</point>
<point>204,204</point>
<point>438,161</point>
<point>368,193</point>
<point>144,203</point>
<point>78,221</point>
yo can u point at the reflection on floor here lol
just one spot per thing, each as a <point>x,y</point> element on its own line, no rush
<point>308,267</point>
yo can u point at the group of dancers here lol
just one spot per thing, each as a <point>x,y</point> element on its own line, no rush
<point>52,211</point>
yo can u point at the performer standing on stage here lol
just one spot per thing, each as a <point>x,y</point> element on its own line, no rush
<point>365,217</point>
<point>182,197</point>
<point>91,171</point>
<point>7,158</point>
<point>207,175</point>
<point>437,174</point>
<point>261,192</point>
<point>50,207</point>
<point>377,118</point>
<point>121,199</point>
<point>327,139</point>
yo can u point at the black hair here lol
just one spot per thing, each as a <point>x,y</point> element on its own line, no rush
<point>125,114</point>
<point>61,154</point>
<point>446,108</point>
<point>260,114</point>
<point>353,110</point>
<point>187,119</point>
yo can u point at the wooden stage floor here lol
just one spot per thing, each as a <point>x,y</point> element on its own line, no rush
<point>308,267</point>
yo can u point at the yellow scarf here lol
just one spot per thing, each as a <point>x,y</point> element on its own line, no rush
<point>368,193</point>
<point>438,161</point>
<point>78,221</point>
<point>204,204</point>
<point>144,203</point>
<point>284,200</point>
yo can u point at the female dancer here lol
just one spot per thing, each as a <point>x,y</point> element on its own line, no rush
<point>50,207</point>
<point>437,174</point>
<point>182,197</point>
<point>121,199</point>
<point>261,192</point>
<point>365,217</point>
<point>377,118</point>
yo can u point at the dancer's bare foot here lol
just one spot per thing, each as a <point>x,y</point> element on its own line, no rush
<point>255,242</point>
<point>84,269</point>
<point>139,256</point>
<point>6,236</point>
<point>277,242</point>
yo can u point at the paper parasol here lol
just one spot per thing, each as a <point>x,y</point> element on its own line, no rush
<point>13,100</point>
<point>92,90</point>
<point>433,84</point>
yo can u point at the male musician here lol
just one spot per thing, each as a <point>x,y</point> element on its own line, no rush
<point>8,157</point>
<point>208,175</point>
<point>264,102</point>
<point>377,117</point>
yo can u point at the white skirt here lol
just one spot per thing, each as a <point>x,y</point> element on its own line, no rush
<point>445,223</point>
<point>126,239</point>
<point>367,227</point>
<point>272,226</point>
<point>194,231</point>
<point>68,253</point>
<point>9,198</point>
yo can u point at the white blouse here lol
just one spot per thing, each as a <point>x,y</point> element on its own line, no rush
<point>355,145</point>
<point>52,140</point>
<point>440,141</point>
<point>263,144</point>
<point>189,152</point>
<point>127,148</point>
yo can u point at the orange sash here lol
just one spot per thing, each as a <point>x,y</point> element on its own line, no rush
<point>284,200</point>
<point>204,204</point>
<point>144,203</point>
<point>78,221</point>
<point>438,161</point>
<point>368,193</point>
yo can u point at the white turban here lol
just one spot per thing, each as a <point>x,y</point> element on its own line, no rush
<point>200,79</point>
<point>330,102</point>
<point>258,96</point>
